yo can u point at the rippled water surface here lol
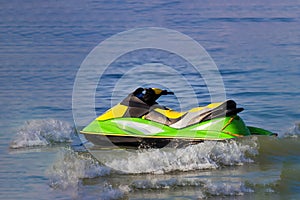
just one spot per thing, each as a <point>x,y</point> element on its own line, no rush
<point>255,45</point>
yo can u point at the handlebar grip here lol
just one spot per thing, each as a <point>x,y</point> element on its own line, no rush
<point>165,92</point>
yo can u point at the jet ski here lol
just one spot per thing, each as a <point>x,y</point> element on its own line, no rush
<point>139,121</point>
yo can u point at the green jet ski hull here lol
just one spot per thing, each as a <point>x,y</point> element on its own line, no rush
<point>137,132</point>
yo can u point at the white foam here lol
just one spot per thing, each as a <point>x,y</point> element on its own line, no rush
<point>42,132</point>
<point>109,193</point>
<point>294,131</point>
<point>226,188</point>
<point>154,183</point>
<point>206,155</point>
<point>233,152</point>
<point>70,167</point>
<point>206,187</point>
<point>161,161</point>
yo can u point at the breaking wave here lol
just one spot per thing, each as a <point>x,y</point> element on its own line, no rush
<point>150,170</point>
<point>71,166</point>
<point>42,132</point>
<point>206,155</point>
<point>205,187</point>
<point>294,131</point>
<point>73,171</point>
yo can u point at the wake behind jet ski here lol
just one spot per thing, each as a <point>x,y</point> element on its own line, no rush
<point>139,121</point>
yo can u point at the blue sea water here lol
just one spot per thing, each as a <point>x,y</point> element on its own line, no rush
<point>255,45</point>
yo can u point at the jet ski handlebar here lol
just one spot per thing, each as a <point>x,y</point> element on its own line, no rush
<point>158,91</point>
<point>165,92</point>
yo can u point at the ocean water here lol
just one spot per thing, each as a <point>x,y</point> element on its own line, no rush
<point>255,45</point>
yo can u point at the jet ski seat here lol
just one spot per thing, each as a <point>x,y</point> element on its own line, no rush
<point>182,119</point>
<point>164,115</point>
